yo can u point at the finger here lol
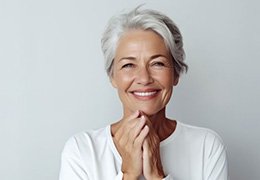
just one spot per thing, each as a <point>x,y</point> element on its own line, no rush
<point>141,137</point>
<point>135,115</point>
<point>152,131</point>
<point>148,121</point>
<point>146,150</point>
<point>122,133</point>
<point>124,124</point>
<point>135,131</point>
<point>130,121</point>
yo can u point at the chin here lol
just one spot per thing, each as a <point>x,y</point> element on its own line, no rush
<point>150,111</point>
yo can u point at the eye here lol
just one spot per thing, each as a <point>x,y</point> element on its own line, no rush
<point>127,65</point>
<point>158,64</point>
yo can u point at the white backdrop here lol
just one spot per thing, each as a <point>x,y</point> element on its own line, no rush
<point>53,85</point>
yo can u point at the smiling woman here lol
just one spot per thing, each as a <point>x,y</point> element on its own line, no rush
<point>144,60</point>
<point>143,72</point>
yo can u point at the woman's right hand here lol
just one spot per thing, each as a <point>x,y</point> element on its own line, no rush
<point>129,138</point>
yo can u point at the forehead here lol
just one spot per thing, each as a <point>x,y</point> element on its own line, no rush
<point>136,42</point>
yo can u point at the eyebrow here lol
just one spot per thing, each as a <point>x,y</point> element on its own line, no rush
<point>133,58</point>
<point>158,55</point>
<point>127,58</point>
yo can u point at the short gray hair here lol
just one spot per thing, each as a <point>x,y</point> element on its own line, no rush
<point>146,20</point>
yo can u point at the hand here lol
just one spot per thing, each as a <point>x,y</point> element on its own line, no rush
<point>152,165</point>
<point>129,138</point>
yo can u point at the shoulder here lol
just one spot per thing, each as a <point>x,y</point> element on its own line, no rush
<point>208,137</point>
<point>210,145</point>
<point>84,141</point>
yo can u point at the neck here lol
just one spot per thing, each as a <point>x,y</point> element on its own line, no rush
<point>163,126</point>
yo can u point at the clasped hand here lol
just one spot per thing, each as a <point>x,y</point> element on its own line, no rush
<point>139,147</point>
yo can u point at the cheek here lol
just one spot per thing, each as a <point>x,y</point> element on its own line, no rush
<point>165,79</point>
<point>123,80</point>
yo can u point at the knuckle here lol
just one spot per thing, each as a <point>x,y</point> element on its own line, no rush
<point>121,143</point>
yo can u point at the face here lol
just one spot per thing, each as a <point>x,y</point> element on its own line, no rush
<point>143,72</point>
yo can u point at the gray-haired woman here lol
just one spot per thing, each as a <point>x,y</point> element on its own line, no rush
<point>144,57</point>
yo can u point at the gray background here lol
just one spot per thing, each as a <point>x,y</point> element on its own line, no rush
<point>52,82</point>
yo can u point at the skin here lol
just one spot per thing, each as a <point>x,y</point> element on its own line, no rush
<point>144,77</point>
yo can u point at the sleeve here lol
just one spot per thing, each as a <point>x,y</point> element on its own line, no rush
<point>71,165</point>
<point>71,169</point>
<point>216,167</point>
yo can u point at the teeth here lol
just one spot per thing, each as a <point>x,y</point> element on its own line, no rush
<point>145,93</point>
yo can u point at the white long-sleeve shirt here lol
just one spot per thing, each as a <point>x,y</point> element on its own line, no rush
<point>190,153</point>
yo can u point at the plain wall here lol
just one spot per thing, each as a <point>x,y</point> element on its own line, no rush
<point>53,84</point>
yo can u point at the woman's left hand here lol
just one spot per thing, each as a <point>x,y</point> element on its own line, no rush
<point>152,165</point>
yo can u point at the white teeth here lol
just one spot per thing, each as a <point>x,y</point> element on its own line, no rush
<point>145,93</point>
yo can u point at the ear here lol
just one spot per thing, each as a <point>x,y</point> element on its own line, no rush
<point>112,81</point>
<point>175,81</point>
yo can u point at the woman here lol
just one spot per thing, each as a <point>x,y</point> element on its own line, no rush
<point>144,57</point>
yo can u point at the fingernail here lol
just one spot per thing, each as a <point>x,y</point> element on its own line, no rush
<point>139,113</point>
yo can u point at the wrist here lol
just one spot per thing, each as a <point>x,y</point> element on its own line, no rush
<point>127,176</point>
<point>156,177</point>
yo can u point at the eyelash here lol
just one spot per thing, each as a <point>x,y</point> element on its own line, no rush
<point>158,64</point>
<point>128,65</point>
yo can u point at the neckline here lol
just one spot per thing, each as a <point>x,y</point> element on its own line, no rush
<point>173,135</point>
<point>162,143</point>
<point>111,143</point>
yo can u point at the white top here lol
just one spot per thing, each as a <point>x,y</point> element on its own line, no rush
<point>190,153</point>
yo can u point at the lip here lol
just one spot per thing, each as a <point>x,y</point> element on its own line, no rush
<point>145,94</point>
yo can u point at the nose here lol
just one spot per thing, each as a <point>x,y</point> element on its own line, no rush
<point>143,76</point>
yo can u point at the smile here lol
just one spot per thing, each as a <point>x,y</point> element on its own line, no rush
<point>145,94</point>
